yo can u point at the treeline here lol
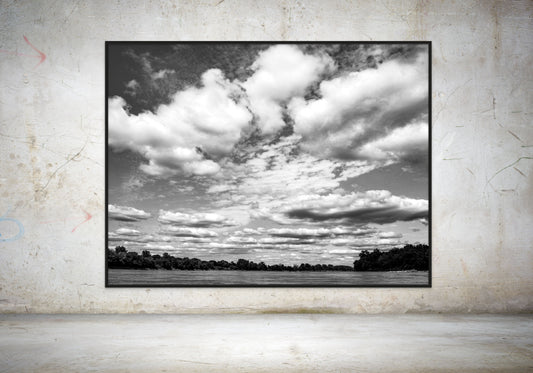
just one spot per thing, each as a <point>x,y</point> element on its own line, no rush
<point>122,258</point>
<point>410,257</point>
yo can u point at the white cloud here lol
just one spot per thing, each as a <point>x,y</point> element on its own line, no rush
<point>361,107</point>
<point>219,188</point>
<point>127,232</point>
<point>249,231</point>
<point>194,220</point>
<point>342,251</point>
<point>133,184</point>
<point>241,239</point>
<point>134,239</point>
<point>163,162</point>
<point>192,241</point>
<point>280,73</point>
<point>124,213</point>
<point>389,242</point>
<point>345,242</point>
<point>199,126</point>
<point>159,247</point>
<point>308,240</point>
<point>188,232</point>
<point>390,235</point>
<point>278,171</point>
<point>260,242</point>
<point>132,87</point>
<point>161,73</point>
<point>133,84</point>
<point>319,232</point>
<point>404,142</point>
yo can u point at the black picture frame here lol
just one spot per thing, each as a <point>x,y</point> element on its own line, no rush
<point>110,283</point>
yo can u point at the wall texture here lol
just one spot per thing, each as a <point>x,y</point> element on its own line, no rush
<point>52,148</point>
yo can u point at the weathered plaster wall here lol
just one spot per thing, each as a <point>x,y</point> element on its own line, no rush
<point>52,148</point>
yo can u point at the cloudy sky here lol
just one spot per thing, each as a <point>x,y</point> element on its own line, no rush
<point>282,153</point>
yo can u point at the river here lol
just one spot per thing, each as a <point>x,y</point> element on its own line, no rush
<point>148,278</point>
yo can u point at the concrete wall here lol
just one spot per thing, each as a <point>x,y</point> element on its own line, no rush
<point>52,148</point>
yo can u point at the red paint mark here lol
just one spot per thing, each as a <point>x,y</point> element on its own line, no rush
<point>41,55</point>
<point>17,53</point>
<point>87,218</point>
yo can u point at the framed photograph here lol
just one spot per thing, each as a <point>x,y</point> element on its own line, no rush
<point>268,164</point>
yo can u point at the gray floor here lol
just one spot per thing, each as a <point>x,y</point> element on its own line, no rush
<point>266,343</point>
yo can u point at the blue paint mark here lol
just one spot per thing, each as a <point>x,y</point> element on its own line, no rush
<point>18,223</point>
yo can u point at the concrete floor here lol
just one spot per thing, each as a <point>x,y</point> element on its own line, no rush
<point>266,343</point>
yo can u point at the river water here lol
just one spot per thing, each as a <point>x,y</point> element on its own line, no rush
<point>136,277</point>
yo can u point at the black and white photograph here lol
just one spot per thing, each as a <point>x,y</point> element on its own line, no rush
<point>268,164</point>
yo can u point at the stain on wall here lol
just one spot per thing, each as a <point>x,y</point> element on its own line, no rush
<point>52,149</point>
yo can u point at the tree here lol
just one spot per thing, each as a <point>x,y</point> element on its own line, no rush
<point>397,259</point>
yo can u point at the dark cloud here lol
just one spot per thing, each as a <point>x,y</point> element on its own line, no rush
<point>128,214</point>
<point>145,63</point>
<point>307,233</point>
<point>357,57</point>
<point>378,215</point>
